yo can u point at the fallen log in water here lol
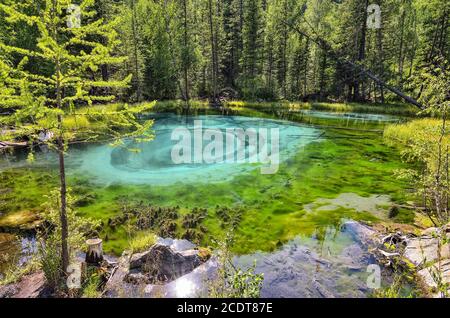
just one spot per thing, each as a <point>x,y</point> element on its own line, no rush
<point>9,144</point>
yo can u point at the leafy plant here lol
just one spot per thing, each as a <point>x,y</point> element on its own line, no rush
<point>426,143</point>
<point>233,282</point>
<point>50,237</point>
<point>91,286</point>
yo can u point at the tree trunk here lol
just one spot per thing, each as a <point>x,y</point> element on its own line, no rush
<point>63,193</point>
<point>323,66</point>
<point>284,51</point>
<point>359,94</point>
<point>400,53</point>
<point>62,169</point>
<point>186,62</point>
<point>62,175</point>
<point>135,53</point>
<point>94,254</point>
<point>361,70</point>
<point>213,51</point>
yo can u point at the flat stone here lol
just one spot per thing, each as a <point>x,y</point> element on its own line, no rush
<point>428,275</point>
<point>429,231</point>
<point>422,250</point>
<point>164,241</point>
<point>137,260</point>
<point>176,244</point>
<point>182,245</point>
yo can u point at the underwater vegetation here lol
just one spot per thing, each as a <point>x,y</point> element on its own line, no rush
<point>348,155</point>
<point>263,210</point>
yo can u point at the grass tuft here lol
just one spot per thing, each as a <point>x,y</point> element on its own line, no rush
<point>142,241</point>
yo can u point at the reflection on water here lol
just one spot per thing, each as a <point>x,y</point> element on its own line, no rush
<point>330,264</point>
<point>333,266</point>
<point>354,118</point>
<point>15,251</point>
<point>153,163</point>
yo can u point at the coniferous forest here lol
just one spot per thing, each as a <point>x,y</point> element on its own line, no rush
<point>263,49</point>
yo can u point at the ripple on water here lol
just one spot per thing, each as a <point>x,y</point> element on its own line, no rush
<point>153,163</point>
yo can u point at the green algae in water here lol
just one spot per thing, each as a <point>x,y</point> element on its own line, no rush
<point>341,161</point>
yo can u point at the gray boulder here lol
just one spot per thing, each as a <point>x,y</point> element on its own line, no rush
<point>162,264</point>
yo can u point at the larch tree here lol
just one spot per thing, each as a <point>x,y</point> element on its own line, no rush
<point>73,43</point>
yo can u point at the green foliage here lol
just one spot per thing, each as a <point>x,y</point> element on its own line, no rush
<point>395,290</point>
<point>178,49</point>
<point>74,58</point>
<point>16,273</point>
<point>141,241</point>
<point>234,282</point>
<point>91,286</point>
<point>427,143</point>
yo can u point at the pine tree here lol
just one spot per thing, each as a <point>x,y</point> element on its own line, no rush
<point>73,54</point>
<point>252,47</point>
<point>232,41</point>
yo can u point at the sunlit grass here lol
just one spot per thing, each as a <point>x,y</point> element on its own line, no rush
<point>390,109</point>
<point>142,241</point>
<point>426,129</point>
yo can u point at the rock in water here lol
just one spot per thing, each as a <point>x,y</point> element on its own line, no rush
<point>361,233</point>
<point>163,264</point>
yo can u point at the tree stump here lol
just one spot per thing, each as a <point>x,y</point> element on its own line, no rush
<point>94,254</point>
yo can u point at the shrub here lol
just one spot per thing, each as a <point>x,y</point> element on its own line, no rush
<point>50,237</point>
<point>424,143</point>
<point>234,282</point>
<point>91,286</point>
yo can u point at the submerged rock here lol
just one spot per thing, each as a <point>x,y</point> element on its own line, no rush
<point>361,233</point>
<point>375,204</point>
<point>19,221</point>
<point>333,267</point>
